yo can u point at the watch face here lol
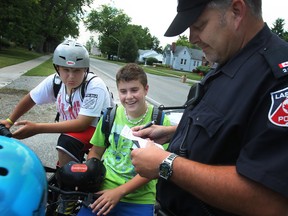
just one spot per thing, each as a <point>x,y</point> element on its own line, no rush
<point>165,170</point>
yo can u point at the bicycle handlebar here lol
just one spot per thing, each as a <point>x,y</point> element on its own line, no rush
<point>5,131</point>
<point>85,198</point>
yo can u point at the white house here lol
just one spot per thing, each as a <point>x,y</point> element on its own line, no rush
<point>182,58</point>
<point>144,54</point>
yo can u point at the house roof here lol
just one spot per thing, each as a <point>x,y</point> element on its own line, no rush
<point>143,52</point>
<point>194,53</point>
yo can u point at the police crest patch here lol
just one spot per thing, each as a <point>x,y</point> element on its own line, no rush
<point>278,113</point>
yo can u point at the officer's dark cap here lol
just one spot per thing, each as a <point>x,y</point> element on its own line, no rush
<point>188,12</point>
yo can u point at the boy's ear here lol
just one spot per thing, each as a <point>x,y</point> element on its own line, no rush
<point>147,87</point>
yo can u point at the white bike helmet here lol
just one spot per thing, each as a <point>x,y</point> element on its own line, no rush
<point>23,184</point>
<point>71,54</point>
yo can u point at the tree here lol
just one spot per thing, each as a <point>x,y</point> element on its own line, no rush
<point>278,27</point>
<point>129,49</point>
<point>183,41</point>
<point>108,22</point>
<point>43,23</point>
<point>90,43</point>
<point>113,27</point>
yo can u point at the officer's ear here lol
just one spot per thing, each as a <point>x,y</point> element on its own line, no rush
<point>239,9</point>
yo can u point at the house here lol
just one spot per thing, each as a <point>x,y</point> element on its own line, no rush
<point>143,55</point>
<point>183,58</point>
<point>95,51</point>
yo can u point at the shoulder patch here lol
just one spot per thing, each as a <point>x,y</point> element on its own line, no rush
<point>277,58</point>
<point>278,113</point>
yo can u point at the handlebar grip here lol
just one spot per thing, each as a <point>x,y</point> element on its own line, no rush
<point>5,131</point>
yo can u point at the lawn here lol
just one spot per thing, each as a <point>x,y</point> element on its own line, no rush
<point>13,56</point>
<point>44,69</point>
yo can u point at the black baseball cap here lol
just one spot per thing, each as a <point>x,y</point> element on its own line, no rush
<point>188,12</point>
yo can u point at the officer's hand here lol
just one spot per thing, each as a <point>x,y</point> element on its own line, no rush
<point>147,160</point>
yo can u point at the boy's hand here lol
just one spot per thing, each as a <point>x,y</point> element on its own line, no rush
<point>28,129</point>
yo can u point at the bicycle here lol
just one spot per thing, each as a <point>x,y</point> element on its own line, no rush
<point>77,180</point>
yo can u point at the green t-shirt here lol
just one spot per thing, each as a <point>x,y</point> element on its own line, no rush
<point>117,159</point>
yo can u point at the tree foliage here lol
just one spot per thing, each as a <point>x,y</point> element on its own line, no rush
<point>42,23</point>
<point>184,41</point>
<point>278,28</point>
<point>116,33</point>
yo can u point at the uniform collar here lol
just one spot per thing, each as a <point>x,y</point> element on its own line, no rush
<point>234,64</point>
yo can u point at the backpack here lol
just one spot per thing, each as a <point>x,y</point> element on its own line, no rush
<point>57,82</point>
<point>109,116</point>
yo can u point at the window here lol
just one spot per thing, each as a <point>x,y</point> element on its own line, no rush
<point>183,61</point>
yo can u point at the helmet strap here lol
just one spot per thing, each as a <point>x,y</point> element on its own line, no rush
<point>55,66</point>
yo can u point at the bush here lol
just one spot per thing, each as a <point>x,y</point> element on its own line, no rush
<point>4,43</point>
<point>202,69</point>
<point>151,60</point>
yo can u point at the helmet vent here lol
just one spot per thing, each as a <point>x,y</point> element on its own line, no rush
<point>79,59</point>
<point>3,171</point>
<point>63,57</point>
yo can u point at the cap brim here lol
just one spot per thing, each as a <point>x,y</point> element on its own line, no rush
<point>183,20</point>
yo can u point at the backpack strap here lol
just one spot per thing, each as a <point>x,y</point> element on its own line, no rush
<point>107,122</point>
<point>57,82</point>
<point>158,116</point>
<point>85,86</point>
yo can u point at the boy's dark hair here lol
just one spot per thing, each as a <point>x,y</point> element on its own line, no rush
<point>131,71</point>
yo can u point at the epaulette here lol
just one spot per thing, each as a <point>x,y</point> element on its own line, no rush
<point>277,58</point>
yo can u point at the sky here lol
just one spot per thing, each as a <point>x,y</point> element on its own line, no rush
<point>157,15</point>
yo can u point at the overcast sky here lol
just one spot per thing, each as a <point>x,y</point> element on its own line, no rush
<point>158,14</point>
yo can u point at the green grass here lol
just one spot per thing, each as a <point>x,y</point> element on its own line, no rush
<point>44,69</point>
<point>13,56</point>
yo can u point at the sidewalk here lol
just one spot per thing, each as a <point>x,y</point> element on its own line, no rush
<point>10,73</point>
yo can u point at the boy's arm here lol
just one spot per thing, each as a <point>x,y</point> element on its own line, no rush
<point>24,105</point>
<point>96,152</point>
<point>29,129</point>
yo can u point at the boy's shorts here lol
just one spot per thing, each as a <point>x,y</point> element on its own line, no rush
<point>76,144</point>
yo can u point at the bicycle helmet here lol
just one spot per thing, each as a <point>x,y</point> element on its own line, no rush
<point>23,184</point>
<point>86,177</point>
<point>72,54</point>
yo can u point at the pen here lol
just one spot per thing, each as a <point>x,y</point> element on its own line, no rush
<point>148,125</point>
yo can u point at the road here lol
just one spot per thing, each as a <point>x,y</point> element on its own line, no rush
<point>168,91</point>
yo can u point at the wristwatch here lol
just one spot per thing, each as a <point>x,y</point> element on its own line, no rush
<point>165,168</point>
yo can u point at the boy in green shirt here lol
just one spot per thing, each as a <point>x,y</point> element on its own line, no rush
<point>124,191</point>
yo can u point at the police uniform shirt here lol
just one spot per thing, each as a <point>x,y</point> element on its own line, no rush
<point>241,119</point>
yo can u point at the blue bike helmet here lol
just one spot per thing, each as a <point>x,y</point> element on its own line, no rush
<point>23,184</point>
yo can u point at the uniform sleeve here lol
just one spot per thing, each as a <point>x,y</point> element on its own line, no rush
<point>96,98</point>
<point>98,138</point>
<point>264,156</point>
<point>43,93</point>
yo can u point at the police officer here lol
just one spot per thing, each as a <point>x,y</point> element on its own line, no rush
<point>228,155</point>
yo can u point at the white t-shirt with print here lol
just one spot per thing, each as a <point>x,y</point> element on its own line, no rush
<point>94,103</point>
